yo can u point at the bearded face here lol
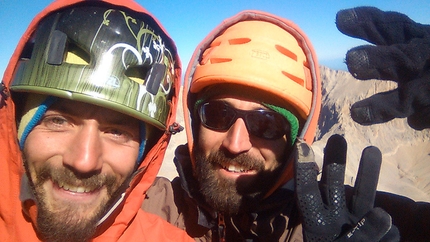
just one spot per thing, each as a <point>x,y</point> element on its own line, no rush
<point>69,219</point>
<point>77,159</point>
<point>235,169</point>
<point>232,195</point>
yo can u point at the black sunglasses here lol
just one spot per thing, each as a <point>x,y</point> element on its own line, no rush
<point>219,116</point>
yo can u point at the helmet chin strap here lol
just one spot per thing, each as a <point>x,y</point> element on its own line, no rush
<point>120,198</point>
<point>118,202</point>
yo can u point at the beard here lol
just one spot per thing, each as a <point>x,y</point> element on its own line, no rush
<point>68,221</point>
<point>232,196</point>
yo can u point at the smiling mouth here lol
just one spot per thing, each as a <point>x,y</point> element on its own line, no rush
<point>76,189</point>
<point>236,169</point>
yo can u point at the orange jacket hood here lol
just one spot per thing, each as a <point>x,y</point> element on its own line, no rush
<point>127,222</point>
<point>227,75</point>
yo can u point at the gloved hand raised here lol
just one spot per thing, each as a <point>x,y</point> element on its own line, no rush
<point>326,214</point>
<point>401,53</point>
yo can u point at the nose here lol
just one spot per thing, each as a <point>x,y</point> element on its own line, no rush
<point>237,140</point>
<point>84,154</point>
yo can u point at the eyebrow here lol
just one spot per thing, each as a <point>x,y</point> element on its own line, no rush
<point>64,108</point>
<point>116,119</point>
<point>220,99</point>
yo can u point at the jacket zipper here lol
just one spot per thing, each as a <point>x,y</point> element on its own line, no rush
<point>221,227</point>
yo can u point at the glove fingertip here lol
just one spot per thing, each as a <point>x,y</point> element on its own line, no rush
<point>358,62</point>
<point>380,108</point>
<point>305,153</point>
<point>345,18</point>
<point>367,181</point>
<point>368,171</point>
<point>349,21</point>
<point>374,226</point>
<point>336,140</point>
<point>361,114</point>
<point>373,154</point>
<point>335,150</point>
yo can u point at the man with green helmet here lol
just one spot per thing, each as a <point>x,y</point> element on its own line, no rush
<point>93,86</point>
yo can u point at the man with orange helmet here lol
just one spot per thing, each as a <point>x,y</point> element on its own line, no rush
<point>93,87</point>
<point>252,90</point>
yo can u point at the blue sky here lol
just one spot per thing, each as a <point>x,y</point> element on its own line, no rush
<point>188,22</point>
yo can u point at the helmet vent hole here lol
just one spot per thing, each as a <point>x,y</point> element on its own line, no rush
<point>239,41</point>
<point>219,60</point>
<point>296,79</point>
<point>136,73</point>
<point>286,52</point>
<point>76,55</point>
<point>28,49</point>
<point>215,43</point>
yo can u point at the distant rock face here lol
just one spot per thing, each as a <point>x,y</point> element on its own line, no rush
<point>406,153</point>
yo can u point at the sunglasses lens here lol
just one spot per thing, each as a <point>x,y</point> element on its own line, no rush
<point>266,124</point>
<point>216,115</point>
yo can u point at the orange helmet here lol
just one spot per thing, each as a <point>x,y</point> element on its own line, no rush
<point>262,51</point>
<point>268,54</point>
<point>258,54</point>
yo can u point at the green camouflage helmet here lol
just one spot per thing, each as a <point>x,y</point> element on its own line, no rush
<point>101,56</point>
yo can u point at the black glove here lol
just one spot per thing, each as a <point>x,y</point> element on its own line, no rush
<point>325,212</point>
<point>401,53</point>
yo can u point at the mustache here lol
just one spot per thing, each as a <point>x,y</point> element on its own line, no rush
<point>244,160</point>
<point>63,175</point>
